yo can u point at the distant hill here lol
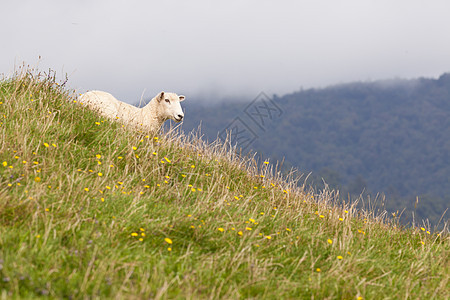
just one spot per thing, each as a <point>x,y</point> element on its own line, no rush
<point>390,137</point>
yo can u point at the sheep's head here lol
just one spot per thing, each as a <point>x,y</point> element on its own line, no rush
<point>169,106</point>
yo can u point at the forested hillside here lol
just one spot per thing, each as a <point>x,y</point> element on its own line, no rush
<point>388,137</point>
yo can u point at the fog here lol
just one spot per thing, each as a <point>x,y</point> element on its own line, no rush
<point>215,50</point>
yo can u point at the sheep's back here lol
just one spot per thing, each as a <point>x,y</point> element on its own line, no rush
<point>108,106</point>
<point>102,102</point>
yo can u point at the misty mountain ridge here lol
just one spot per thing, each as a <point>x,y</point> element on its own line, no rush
<point>388,136</point>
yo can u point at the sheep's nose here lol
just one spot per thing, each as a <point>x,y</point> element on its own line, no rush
<point>180,117</point>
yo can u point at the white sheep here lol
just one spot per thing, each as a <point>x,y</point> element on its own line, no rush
<point>149,118</point>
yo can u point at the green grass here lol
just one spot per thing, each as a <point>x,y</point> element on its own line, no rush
<point>83,214</point>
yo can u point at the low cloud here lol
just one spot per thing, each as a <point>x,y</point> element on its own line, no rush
<point>234,48</point>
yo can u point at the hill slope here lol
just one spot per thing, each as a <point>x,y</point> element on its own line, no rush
<point>91,209</point>
<point>390,137</point>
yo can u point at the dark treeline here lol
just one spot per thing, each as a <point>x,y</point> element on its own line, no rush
<point>390,138</point>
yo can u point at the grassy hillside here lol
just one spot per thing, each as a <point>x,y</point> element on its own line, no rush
<point>91,209</point>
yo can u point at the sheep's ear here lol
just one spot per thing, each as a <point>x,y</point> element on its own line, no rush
<point>160,96</point>
<point>181,97</point>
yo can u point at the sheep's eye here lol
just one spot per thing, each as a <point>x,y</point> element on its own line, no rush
<point>167,100</point>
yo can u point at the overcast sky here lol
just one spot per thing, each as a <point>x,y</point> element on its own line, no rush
<point>217,49</point>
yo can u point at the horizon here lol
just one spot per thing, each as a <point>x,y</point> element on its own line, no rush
<point>382,81</point>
